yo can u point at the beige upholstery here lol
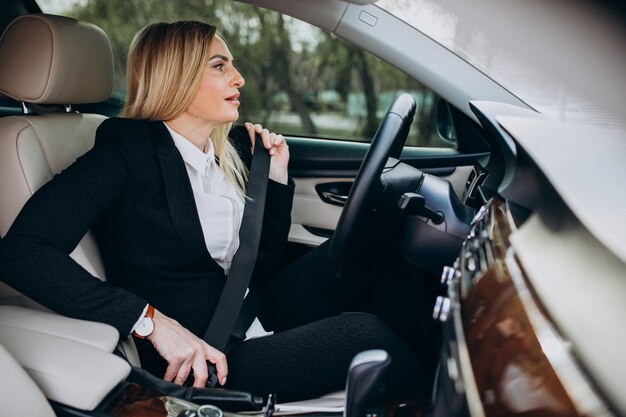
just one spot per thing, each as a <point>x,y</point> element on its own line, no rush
<point>19,395</point>
<point>32,150</point>
<point>50,60</point>
<point>55,60</point>
<point>67,371</point>
<point>98,335</point>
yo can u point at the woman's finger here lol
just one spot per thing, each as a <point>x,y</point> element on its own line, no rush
<point>183,372</point>
<point>219,359</point>
<point>200,371</point>
<point>173,365</point>
<point>265,135</point>
<point>272,140</point>
<point>250,128</point>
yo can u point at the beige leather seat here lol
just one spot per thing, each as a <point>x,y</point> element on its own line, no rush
<point>52,62</point>
<point>76,373</point>
<point>49,62</point>
<point>20,395</point>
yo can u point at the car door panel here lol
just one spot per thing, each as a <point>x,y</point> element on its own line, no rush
<point>309,210</point>
<point>320,166</point>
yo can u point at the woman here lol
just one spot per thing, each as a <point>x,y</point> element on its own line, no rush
<point>164,190</point>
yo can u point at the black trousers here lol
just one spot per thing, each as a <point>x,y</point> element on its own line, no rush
<point>321,321</point>
<point>315,338</point>
<point>313,359</point>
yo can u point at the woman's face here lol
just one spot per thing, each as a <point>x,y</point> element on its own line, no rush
<point>217,99</point>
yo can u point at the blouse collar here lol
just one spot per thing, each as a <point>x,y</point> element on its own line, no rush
<point>190,153</point>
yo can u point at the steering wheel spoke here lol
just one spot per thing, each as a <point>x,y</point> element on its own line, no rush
<point>382,155</point>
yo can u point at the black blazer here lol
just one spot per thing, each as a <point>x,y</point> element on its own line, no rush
<point>132,189</point>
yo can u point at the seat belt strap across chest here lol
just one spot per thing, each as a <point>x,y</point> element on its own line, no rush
<point>242,267</point>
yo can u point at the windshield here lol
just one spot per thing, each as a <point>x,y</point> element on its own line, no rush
<point>563,59</point>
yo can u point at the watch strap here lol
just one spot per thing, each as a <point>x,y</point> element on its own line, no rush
<point>150,312</point>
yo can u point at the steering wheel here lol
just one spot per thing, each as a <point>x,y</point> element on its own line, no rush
<point>388,142</point>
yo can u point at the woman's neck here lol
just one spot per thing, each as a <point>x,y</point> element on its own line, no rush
<point>193,129</point>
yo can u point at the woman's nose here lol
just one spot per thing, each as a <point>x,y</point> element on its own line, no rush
<point>238,80</point>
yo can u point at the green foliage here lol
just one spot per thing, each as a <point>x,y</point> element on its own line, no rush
<point>299,80</point>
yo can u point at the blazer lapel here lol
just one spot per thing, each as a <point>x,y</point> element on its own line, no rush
<point>179,194</point>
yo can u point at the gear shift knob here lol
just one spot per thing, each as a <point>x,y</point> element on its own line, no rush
<point>366,381</point>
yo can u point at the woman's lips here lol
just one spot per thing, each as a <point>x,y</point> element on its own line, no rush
<point>234,99</point>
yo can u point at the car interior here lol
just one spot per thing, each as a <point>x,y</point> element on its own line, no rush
<point>501,215</point>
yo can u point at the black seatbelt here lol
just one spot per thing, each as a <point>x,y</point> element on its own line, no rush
<point>230,302</point>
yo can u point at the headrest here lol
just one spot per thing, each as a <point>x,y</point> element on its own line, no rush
<point>47,59</point>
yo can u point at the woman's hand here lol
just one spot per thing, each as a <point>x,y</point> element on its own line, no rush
<point>278,149</point>
<point>183,352</point>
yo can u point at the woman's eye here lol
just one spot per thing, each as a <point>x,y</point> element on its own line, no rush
<point>219,66</point>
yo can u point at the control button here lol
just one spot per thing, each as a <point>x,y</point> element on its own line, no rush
<point>472,268</point>
<point>442,308</point>
<point>448,274</point>
<point>470,263</point>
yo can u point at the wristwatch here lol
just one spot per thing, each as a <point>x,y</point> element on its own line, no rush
<point>146,326</point>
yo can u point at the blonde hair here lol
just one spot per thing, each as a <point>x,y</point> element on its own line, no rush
<point>162,58</point>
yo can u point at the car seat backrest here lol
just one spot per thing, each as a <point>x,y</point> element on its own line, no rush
<point>49,60</point>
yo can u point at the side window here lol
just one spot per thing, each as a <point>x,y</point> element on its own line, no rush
<point>310,83</point>
<point>299,80</point>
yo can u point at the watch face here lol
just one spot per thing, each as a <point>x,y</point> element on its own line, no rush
<point>145,327</point>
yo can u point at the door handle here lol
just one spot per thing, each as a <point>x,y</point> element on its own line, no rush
<point>335,193</point>
<point>334,198</point>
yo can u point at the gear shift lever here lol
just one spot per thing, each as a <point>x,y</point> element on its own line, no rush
<point>365,382</point>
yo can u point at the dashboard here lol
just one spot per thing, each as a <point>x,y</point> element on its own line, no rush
<point>501,354</point>
<point>532,310</point>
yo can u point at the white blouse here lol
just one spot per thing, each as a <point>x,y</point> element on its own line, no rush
<point>220,206</point>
